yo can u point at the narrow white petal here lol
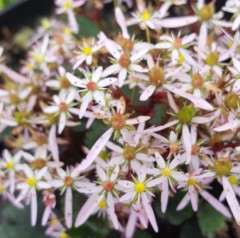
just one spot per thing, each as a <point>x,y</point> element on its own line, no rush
<point>187,143</point>
<point>68,207</point>
<point>95,150</point>
<point>147,92</point>
<point>33,207</point>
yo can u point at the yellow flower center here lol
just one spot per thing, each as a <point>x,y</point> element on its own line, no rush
<point>29,66</point>
<point>191,181</point>
<point>9,165</point>
<point>145,15</point>
<point>31,182</point>
<point>54,221</point>
<point>38,58</point>
<point>102,204</point>
<point>166,172</point>
<point>1,188</point>
<point>181,58</point>
<point>64,235</point>
<point>87,51</point>
<point>45,23</point>
<point>139,187</point>
<point>233,180</point>
<point>67,4</point>
<point>67,31</point>
<point>68,181</point>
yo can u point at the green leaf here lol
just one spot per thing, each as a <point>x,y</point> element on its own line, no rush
<point>142,234</point>
<point>173,216</point>
<point>191,229</point>
<point>210,220</point>
<point>94,228</point>
<point>16,223</point>
<point>158,114</point>
<point>87,27</point>
<point>95,131</point>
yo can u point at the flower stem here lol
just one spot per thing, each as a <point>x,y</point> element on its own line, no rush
<point>148,34</point>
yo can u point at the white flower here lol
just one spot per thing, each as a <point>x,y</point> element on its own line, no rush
<point>86,53</point>
<point>92,87</point>
<point>166,174</point>
<point>233,6</point>
<point>139,190</point>
<point>67,181</point>
<point>32,183</point>
<point>12,165</point>
<point>64,107</point>
<point>67,6</point>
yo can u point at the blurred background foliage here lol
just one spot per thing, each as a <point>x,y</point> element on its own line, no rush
<point>5,3</point>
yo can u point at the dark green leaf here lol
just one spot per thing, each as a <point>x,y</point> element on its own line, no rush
<point>88,28</point>
<point>190,230</point>
<point>210,220</point>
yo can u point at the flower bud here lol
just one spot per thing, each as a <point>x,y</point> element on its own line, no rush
<point>186,113</point>
<point>212,58</point>
<point>232,100</point>
<point>156,75</point>
<point>197,80</point>
<point>222,166</point>
<point>206,12</point>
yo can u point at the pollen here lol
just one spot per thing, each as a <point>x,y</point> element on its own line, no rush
<point>118,121</point>
<point>64,235</point>
<point>177,43</point>
<point>129,152</point>
<point>38,58</point>
<point>63,107</point>
<point>145,16</point>
<point>1,188</point>
<point>102,204</point>
<point>206,12</point>
<point>191,181</point>
<point>14,98</point>
<point>64,82</point>
<point>31,182</point>
<point>68,181</point>
<point>67,31</point>
<point>91,86</point>
<point>41,140</point>
<point>197,80</point>
<point>166,172</point>
<point>9,165</point>
<point>87,51</point>
<point>38,163</point>
<point>140,187</point>
<point>233,180</point>
<point>156,75</point>
<point>124,60</point>
<point>181,58</point>
<point>45,23</point>
<point>222,166</point>
<point>108,186</point>
<point>67,4</point>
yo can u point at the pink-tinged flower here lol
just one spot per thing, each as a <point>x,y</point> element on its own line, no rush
<point>28,188</point>
<point>195,185</point>
<point>120,125</point>
<point>49,200</point>
<point>40,56</point>
<point>123,62</point>
<point>120,19</point>
<point>233,6</point>
<point>86,52</point>
<point>92,88</point>
<point>131,156</point>
<point>61,82</point>
<point>197,81</point>
<point>177,47</point>
<point>137,213</point>
<point>232,123</point>
<point>227,172</point>
<point>6,195</point>
<point>67,6</point>
<point>235,70</point>
<point>11,163</point>
<point>103,195</point>
<point>140,191</point>
<point>63,107</point>
<point>67,181</point>
<point>166,174</point>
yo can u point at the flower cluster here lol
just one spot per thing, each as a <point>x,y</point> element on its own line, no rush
<point>68,83</point>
